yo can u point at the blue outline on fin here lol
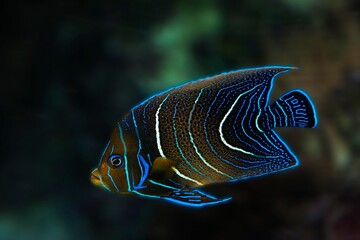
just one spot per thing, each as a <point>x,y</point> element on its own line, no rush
<point>316,120</point>
<point>286,69</point>
<point>188,204</point>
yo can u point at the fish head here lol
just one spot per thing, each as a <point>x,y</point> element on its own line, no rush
<point>112,172</point>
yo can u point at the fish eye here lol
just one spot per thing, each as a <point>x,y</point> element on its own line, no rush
<point>116,161</point>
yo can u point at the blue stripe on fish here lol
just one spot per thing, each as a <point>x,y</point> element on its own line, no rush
<point>163,185</point>
<point>193,143</point>
<point>143,165</point>
<point>112,180</point>
<point>125,157</point>
<point>179,148</point>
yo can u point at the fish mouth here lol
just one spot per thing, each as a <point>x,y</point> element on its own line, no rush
<point>95,177</point>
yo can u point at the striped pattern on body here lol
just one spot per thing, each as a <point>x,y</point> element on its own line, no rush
<point>217,129</point>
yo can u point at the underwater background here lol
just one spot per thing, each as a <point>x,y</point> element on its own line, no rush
<point>70,70</point>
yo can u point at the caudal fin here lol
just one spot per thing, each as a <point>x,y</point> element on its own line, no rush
<point>294,109</point>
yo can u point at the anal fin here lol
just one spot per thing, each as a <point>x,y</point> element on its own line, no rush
<point>194,198</point>
<point>186,196</point>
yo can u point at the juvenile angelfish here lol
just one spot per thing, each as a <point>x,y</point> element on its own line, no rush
<point>212,130</point>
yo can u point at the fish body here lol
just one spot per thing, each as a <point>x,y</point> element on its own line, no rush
<point>212,130</point>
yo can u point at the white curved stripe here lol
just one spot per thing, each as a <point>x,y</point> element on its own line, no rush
<point>185,177</point>
<point>257,117</point>
<point>157,128</point>
<point>257,121</point>
<point>193,143</point>
<point>223,120</point>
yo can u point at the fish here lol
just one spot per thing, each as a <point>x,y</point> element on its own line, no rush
<point>209,131</point>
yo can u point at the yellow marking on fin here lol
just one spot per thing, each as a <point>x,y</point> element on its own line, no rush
<point>162,163</point>
<point>161,168</point>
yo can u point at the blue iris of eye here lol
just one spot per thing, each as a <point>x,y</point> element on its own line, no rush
<point>116,161</point>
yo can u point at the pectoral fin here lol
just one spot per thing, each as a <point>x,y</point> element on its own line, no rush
<point>161,169</point>
<point>193,198</point>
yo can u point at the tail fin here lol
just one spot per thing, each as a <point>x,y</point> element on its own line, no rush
<point>294,109</point>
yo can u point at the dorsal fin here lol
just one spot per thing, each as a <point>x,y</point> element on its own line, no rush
<point>255,75</point>
<point>261,73</point>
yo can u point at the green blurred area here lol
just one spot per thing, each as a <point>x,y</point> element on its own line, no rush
<point>71,70</point>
